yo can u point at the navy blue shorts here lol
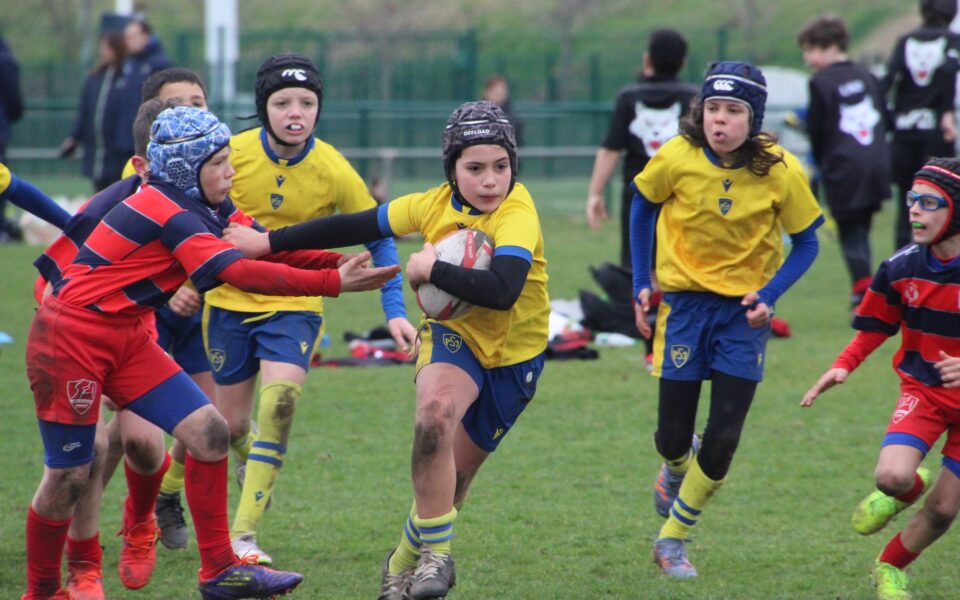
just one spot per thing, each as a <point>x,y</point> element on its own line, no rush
<point>182,338</point>
<point>238,341</point>
<point>504,391</point>
<point>698,332</point>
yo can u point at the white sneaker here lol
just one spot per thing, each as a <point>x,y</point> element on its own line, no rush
<point>247,550</point>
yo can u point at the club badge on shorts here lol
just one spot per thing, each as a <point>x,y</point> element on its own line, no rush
<point>679,354</point>
<point>452,342</point>
<point>82,393</point>
<point>905,406</point>
<point>217,358</point>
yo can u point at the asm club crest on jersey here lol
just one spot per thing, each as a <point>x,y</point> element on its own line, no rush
<point>276,200</point>
<point>725,205</point>
<point>679,354</point>
<point>82,393</point>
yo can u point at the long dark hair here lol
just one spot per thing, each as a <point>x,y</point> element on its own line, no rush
<point>755,153</point>
<point>114,39</point>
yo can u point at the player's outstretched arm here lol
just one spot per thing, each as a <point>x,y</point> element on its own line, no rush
<point>356,277</point>
<point>829,379</point>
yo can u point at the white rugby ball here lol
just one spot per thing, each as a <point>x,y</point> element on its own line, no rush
<point>468,248</point>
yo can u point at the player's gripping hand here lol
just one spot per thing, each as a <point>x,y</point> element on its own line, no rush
<point>420,264</point>
<point>185,302</point>
<point>355,277</point>
<point>949,368</point>
<point>249,241</point>
<point>758,313</point>
<point>641,306</point>
<point>829,379</point>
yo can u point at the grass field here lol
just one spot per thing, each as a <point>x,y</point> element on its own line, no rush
<point>563,510</point>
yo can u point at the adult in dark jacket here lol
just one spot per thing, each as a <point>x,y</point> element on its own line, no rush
<point>11,109</point>
<point>145,56</point>
<point>97,123</point>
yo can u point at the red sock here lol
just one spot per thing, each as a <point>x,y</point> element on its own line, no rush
<point>45,541</point>
<point>896,554</point>
<point>84,550</point>
<point>914,492</point>
<point>861,285</point>
<point>206,486</point>
<point>142,493</point>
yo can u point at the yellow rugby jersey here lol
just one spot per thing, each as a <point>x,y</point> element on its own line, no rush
<point>497,338</point>
<point>128,169</point>
<point>721,230</point>
<point>5,178</point>
<point>278,192</point>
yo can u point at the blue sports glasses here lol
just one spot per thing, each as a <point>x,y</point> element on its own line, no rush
<point>928,202</point>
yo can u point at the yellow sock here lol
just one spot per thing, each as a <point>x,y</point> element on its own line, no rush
<point>173,478</point>
<point>241,446</point>
<point>277,402</point>
<point>437,532</point>
<point>695,492</point>
<point>407,552</point>
<point>680,465</point>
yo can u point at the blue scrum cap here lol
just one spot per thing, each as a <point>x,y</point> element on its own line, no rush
<point>740,82</point>
<point>182,139</point>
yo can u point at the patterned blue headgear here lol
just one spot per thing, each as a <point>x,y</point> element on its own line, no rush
<point>740,82</point>
<point>181,140</point>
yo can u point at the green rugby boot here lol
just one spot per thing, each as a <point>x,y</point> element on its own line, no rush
<point>891,582</point>
<point>877,509</point>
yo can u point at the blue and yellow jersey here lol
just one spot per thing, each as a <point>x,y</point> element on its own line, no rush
<point>497,338</point>
<point>719,228</point>
<point>278,192</point>
<point>128,169</point>
<point>5,178</point>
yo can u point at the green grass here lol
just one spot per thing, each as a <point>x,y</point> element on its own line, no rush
<point>563,510</point>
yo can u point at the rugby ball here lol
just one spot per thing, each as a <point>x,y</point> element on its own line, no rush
<point>468,248</point>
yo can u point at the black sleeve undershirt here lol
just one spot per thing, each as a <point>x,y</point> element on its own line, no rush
<point>497,289</point>
<point>336,231</point>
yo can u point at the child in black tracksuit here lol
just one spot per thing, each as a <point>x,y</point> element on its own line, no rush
<point>846,124</point>
<point>920,82</point>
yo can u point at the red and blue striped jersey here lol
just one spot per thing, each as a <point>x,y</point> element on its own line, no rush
<point>915,292</point>
<point>62,251</point>
<point>144,248</point>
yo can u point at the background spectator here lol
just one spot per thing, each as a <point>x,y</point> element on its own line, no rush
<point>848,138</point>
<point>497,90</point>
<point>97,123</point>
<point>647,114</point>
<point>11,109</point>
<point>921,83</point>
<point>144,56</point>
